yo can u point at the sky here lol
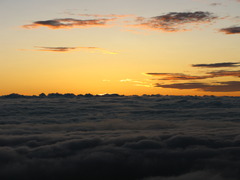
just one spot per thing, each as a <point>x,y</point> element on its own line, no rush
<point>169,47</point>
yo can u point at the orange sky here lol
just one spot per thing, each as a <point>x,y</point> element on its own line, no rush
<point>137,47</point>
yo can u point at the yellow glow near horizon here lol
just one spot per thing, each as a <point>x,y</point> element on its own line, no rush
<point>110,50</point>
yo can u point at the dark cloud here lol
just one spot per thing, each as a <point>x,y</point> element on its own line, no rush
<point>164,137</point>
<point>214,74</point>
<point>230,86</point>
<point>231,30</point>
<point>175,21</point>
<point>69,23</point>
<point>217,65</point>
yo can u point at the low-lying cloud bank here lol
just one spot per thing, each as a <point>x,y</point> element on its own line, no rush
<point>149,138</point>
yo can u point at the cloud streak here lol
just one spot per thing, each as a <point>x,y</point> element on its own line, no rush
<point>217,65</point>
<point>98,15</point>
<point>107,15</point>
<point>180,76</point>
<point>70,49</point>
<point>215,4</point>
<point>231,30</point>
<point>230,86</point>
<point>177,76</point>
<point>225,73</point>
<point>137,82</point>
<point>69,23</point>
<point>175,21</point>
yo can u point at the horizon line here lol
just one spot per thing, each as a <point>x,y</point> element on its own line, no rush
<point>72,95</point>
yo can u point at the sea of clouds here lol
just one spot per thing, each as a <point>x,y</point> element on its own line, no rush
<point>129,137</point>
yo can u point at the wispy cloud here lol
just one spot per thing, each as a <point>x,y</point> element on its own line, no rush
<point>192,83</point>
<point>176,76</point>
<point>215,4</point>
<point>70,49</point>
<point>56,49</point>
<point>229,86</point>
<point>69,23</point>
<point>225,73</point>
<point>231,30</point>
<point>72,12</point>
<point>181,76</point>
<point>217,65</point>
<point>137,82</point>
<point>106,15</point>
<point>175,21</point>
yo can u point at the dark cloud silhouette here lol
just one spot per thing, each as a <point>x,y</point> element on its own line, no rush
<point>214,74</point>
<point>69,23</point>
<point>217,65</point>
<point>230,86</point>
<point>148,138</point>
<point>231,30</point>
<point>175,21</point>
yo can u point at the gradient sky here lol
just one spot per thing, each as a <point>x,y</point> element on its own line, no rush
<point>174,47</point>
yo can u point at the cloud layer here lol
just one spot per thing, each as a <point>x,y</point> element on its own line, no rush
<point>120,138</point>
